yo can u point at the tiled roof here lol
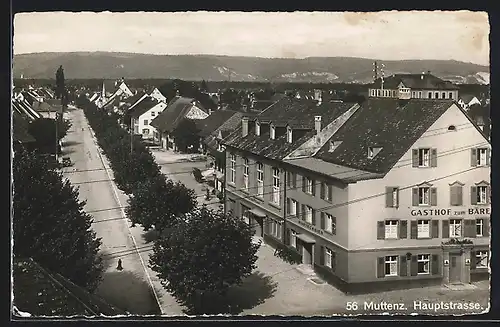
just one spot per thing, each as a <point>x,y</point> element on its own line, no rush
<point>395,125</point>
<point>42,293</point>
<point>299,113</point>
<point>143,107</point>
<point>176,109</point>
<point>225,129</point>
<point>415,81</point>
<point>214,121</point>
<point>467,98</point>
<point>42,107</point>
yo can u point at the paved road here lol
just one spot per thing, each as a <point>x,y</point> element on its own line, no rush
<point>128,288</point>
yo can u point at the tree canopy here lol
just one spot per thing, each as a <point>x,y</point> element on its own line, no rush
<point>59,91</point>
<point>186,135</point>
<point>203,255</point>
<point>50,224</point>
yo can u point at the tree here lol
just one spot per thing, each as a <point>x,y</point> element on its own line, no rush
<point>59,91</point>
<point>44,132</point>
<point>202,256</point>
<point>159,202</point>
<point>50,224</point>
<point>186,135</point>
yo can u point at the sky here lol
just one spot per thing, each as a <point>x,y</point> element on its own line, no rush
<point>393,35</point>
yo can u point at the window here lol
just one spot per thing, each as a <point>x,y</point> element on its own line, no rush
<point>145,131</point>
<point>257,128</point>
<point>245,174</point>
<point>328,257</point>
<point>451,95</point>
<point>146,122</point>
<point>443,95</point>
<point>153,113</point>
<point>392,197</point>
<point>424,157</point>
<point>423,230</point>
<point>391,265</point>
<point>424,195</point>
<point>455,228</point>
<point>373,151</point>
<point>289,135</point>
<point>391,229</point>
<point>430,95</point>
<point>482,194</point>
<point>272,132</point>
<point>309,214</point>
<point>276,186</point>
<point>233,168</point>
<point>437,95</point>
<point>479,227</point>
<point>452,128</point>
<point>423,264</point>
<point>309,185</point>
<point>275,229</point>
<point>481,259</point>
<point>329,192</point>
<point>482,157</point>
<point>293,238</point>
<point>245,214</point>
<point>329,223</point>
<point>419,94</point>
<point>260,179</point>
<point>136,129</point>
<point>293,207</point>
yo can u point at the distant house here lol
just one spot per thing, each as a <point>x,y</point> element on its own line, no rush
<point>143,114</point>
<point>45,109</point>
<point>468,100</point>
<point>20,105</point>
<point>480,114</point>
<point>157,95</point>
<point>122,91</point>
<point>177,109</point>
<point>413,86</point>
<point>42,293</point>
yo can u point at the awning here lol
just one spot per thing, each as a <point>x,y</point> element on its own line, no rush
<point>257,212</point>
<point>305,238</point>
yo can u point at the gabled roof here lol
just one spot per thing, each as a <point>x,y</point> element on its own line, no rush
<point>297,112</point>
<point>225,129</point>
<point>133,99</point>
<point>142,107</point>
<point>175,111</point>
<point>466,98</point>
<point>42,293</point>
<point>415,81</point>
<point>393,124</point>
<point>214,121</point>
<point>20,129</point>
<point>25,109</point>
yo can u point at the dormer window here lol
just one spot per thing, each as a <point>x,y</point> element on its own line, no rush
<point>452,128</point>
<point>373,151</point>
<point>272,132</point>
<point>333,145</point>
<point>257,128</point>
<point>289,135</point>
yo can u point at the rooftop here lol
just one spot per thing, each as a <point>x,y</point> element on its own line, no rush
<point>424,81</point>
<point>175,111</point>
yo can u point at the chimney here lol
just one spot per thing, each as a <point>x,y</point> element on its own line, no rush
<point>428,72</point>
<point>317,124</point>
<point>209,112</point>
<point>244,126</point>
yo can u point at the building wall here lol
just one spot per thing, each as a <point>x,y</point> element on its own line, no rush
<point>453,157</point>
<point>149,116</point>
<point>415,94</point>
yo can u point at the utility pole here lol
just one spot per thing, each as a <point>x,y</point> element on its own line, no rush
<point>57,135</point>
<point>283,233</point>
<point>131,136</point>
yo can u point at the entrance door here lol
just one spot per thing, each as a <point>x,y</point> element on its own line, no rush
<point>307,253</point>
<point>455,268</point>
<point>258,226</point>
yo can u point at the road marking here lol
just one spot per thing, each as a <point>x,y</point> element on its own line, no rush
<point>115,192</point>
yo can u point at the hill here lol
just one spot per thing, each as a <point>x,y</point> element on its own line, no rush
<point>86,65</point>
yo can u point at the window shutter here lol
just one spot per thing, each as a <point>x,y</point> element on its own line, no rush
<point>322,220</point>
<point>414,265</point>
<point>314,217</point>
<point>433,157</point>
<point>334,261</point>
<point>446,229</point>
<point>302,211</point>
<point>380,267</point>
<point>303,184</point>
<point>294,180</point>
<point>435,228</point>
<point>388,197</point>
<point>472,227</point>
<point>287,236</point>
<point>459,195</point>
<point>473,260</point>
<point>403,229</point>
<point>322,191</point>
<point>467,228</point>
<point>486,227</point>
<point>322,255</point>
<point>403,266</point>
<point>313,187</point>
<point>433,196</point>
<point>453,196</point>
<point>334,225</point>
<point>473,157</point>
<point>414,158</point>
<point>488,194</point>
<point>415,196</point>
<point>413,229</point>
<point>288,205</point>
<point>380,230</point>
<point>473,195</point>
<point>488,156</point>
<point>330,193</point>
<point>435,264</point>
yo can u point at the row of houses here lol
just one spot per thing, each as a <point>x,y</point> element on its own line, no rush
<point>390,192</point>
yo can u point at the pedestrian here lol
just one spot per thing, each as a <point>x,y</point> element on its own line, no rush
<point>119,265</point>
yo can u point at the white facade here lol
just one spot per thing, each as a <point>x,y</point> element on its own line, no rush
<point>142,124</point>
<point>467,105</point>
<point>156,94</point>
<point>407,93</point>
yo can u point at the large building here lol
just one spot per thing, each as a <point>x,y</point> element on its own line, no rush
<point>387,193</point>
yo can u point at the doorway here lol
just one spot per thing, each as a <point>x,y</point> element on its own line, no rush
<point>258,226</point>
<point>455,268</point>
<point>307,253</point>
